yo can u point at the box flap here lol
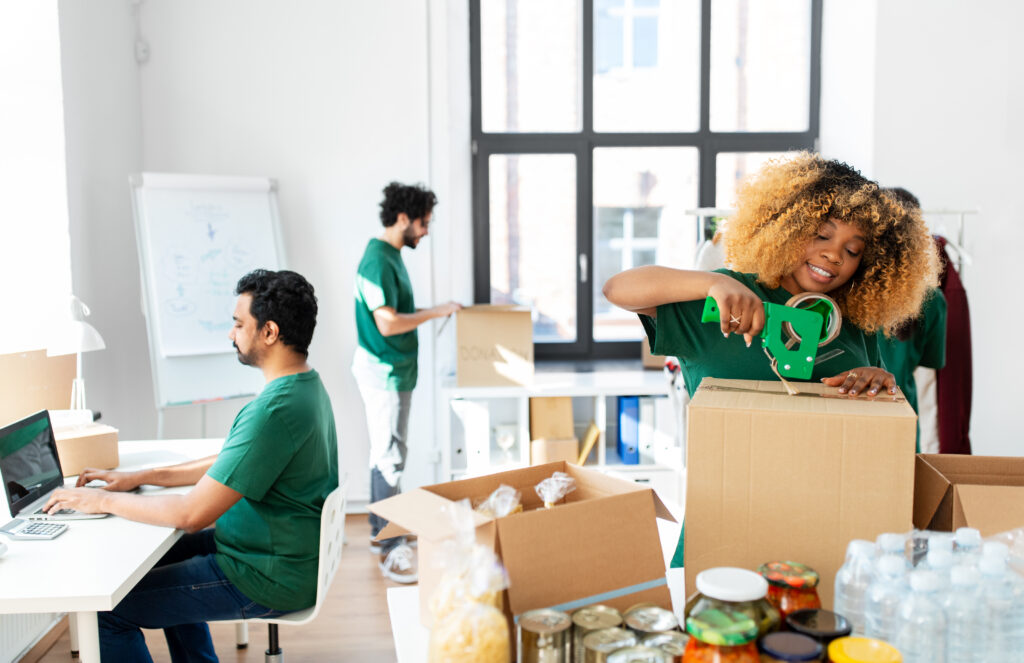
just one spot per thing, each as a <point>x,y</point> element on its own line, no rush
<point>591,484</point>
<point>814,397</point>
<point>991,509</point>
<point>615,539</point>
<point>492,308</point>
<point>930,489</point>
<point>979,470</point>
<point>420,512</point>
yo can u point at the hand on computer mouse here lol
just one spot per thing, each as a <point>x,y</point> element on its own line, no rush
<point>115,481</point>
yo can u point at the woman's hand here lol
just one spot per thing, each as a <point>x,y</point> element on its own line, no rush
<point>869,378</point>
<point>739,309</point>
<point>86,500</point>
<point>116,481</point>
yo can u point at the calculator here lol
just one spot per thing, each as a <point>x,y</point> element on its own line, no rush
<point>33,530</point>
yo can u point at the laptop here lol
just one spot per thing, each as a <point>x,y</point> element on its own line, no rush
<point>30,469</point>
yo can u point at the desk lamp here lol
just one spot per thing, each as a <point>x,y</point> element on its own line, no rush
<point>75,336</point>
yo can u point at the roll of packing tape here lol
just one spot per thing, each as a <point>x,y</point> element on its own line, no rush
<point>833,324</point>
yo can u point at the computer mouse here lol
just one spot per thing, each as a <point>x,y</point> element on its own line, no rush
<point>96,483</point>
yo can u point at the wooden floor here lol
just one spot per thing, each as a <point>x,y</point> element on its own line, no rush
<point>353,624</point>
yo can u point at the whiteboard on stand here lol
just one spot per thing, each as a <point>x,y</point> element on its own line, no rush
<point>197,235</point>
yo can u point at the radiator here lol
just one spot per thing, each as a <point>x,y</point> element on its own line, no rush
<point>18,633</point>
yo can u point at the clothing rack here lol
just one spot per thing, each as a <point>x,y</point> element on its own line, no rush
<point>962,256</point>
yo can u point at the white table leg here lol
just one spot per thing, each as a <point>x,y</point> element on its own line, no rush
<point>88,637</point>
<point>73,632</point>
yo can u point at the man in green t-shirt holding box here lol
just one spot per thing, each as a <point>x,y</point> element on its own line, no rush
<point>264,493</point>
<point>385,360</point>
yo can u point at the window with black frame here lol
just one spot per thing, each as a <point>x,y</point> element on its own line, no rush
<point>597,125</point>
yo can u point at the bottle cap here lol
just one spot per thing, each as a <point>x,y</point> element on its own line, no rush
<point>995,549</point>
<point>990,565</point>
<point>965,576</point>
<point>891,566</point>
<point>727,583</point>
<point>967,536</point>
<point>789,574</point>
<point>860,548</point>
<point>924,581</point>
<point>891,543</point>
<point>819,624</point>
<point>942,541</point>
<point>722,627</point>
<point>939,559</point>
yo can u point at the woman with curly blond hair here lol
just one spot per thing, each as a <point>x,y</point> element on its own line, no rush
<point>806,224</point>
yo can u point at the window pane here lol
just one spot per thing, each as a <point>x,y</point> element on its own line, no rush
<point>760,65</point>
<point>533,239</point>
<point>640,199</point>
<point>732,167</point>
<point>646,65</point>
<point>530,65</point>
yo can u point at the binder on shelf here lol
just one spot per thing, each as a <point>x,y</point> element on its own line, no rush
<point>645,427</point>
<point>629,430</point>
<point>666,444</point>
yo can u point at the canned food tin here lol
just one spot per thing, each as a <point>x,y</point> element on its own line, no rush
<point>544,636</point>
<point>672,643</point>
<point>648,620</point>
<point>590,619</point>
<point>638,654</point>
<point>597,645</point>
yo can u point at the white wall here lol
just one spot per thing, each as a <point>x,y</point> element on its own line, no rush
<point>948,101</point>
<point>332,100</point>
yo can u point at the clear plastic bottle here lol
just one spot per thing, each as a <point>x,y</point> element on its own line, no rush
<point>852,582</point>
<point>921,621</point>
<point>940,561</point>
<point>1004,606</point>
<point>967,546</point>
<point>965,617</point>
<point>885,594</point>
<point>892,545</point>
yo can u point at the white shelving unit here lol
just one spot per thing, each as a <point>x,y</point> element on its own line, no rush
<point>477,417</point>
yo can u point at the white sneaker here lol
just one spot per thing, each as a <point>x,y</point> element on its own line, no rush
<point>400,565</point>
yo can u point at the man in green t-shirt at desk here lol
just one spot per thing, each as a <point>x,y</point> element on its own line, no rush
<point>385,361</point>
<point>263,493</point>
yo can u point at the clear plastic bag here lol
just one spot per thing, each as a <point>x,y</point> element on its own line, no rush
<point>555,487</point>
<point>469,625</point>
<point>503,501</point>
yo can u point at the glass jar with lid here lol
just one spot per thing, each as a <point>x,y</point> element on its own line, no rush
<point>823,626</point>
<point>736,589</point>
<point>720,635</point>
<point>789,648</point>
<point>791,586</point>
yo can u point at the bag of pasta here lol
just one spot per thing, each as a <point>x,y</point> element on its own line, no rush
<point>502,502</point>
<point>554,488</point>
<point>469,626</point>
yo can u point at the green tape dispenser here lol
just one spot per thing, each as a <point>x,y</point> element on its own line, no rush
<point>811,326</point>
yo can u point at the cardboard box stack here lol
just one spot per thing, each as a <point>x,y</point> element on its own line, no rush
<point>552,435</point>
<point>495,346</point>
<point>599,545</point>
<point>93,445</point>
<point>779,477</point>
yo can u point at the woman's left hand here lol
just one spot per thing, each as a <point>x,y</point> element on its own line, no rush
<point>869,379</point>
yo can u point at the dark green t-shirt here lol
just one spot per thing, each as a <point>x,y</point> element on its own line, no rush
<point>704,352</point>
<point>383,281</point>
<point>282,456</point>
<point>925,347</point>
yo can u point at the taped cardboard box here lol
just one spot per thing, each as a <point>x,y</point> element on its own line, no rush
<point>548,450</point>
<point>551,417</point>
<point>495,346</point>
<point>778,477</point>
<point>984,492</point>
<point>94,445</point>
<point>600,544</point>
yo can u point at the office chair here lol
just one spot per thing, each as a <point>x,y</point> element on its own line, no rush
<point>332,533</point>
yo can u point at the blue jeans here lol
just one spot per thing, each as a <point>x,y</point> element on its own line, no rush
<point>180,594</point>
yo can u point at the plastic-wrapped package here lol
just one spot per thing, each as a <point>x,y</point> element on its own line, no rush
<point>503,501</point>
<point>1014,540</point>
<point>469,626</point>
<point>555,487</point>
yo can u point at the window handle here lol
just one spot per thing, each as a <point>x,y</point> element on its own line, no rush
<point>583,268</point>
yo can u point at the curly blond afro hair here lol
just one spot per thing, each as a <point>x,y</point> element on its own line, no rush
<point>781,209</point>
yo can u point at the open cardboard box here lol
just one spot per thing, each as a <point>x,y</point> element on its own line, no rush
<point>984,492</point>
<point>598,545</point>
<point>777,477</point>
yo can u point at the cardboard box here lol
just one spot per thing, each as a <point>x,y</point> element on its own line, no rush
<point>31,381</point>
<point>549,450</point>
<point>603,538</point>
<point>984,492</point>
<point>94,445</point>
<point>778,477</point>
<point>551,416</point>
<point>495,346</point>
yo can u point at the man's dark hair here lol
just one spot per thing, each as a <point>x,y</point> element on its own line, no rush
<point>286,298</point>
<point>415,201</point>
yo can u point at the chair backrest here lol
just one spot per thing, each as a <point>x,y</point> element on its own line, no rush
<point>332,535</point>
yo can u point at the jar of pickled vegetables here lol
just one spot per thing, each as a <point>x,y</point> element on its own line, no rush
<point>789,648</point>
<point>739,590</point>
<point>823,626</point>
<point>791,586</point>
<point>721,636</point>
<point>863,650</point>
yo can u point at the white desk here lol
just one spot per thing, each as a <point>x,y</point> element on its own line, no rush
<point>95,563</point>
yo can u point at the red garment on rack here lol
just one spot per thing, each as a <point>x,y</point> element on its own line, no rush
<point>954,382</point>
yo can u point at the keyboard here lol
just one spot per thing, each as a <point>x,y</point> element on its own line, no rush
<point>33,530</point>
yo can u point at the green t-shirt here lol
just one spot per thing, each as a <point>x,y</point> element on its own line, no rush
<point>704,352</point>
<point>383,281</point>
<point>925,347</point>
<point>282,456</point>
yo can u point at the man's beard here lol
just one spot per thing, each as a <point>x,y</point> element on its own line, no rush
<point>243,358</point>
<point>409,237</point>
